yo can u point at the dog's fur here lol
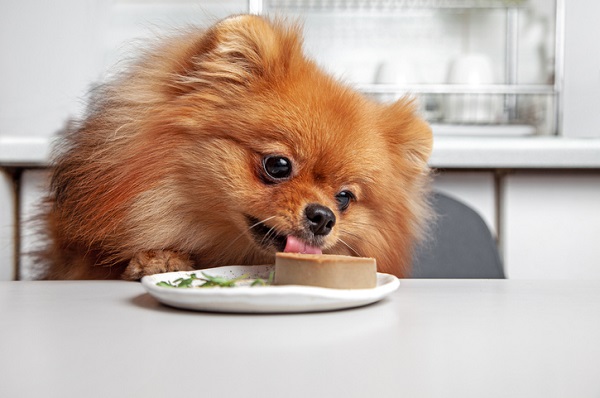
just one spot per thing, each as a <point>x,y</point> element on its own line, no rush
<point>167,169</point>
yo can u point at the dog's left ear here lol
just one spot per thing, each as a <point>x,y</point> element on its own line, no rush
<point>407,132</point>
<point>241,49</point>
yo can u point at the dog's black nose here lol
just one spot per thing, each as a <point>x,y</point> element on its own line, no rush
<point>320,218</point>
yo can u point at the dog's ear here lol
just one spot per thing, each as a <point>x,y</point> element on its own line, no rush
<point>239,50</point>
<point>407,133</point>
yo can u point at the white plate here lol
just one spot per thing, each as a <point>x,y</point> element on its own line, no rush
<point>262,299</point>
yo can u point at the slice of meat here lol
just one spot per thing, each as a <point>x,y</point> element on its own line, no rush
<point>324,270</point>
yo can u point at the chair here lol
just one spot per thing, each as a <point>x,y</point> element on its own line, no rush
<point>460,245</point>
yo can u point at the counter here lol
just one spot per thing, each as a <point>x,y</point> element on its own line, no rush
<point>449,152</point>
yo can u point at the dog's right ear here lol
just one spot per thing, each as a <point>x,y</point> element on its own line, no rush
<point>239,50</point>
<point>407,133</point>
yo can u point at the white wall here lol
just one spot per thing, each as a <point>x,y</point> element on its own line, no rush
<point>53,52</point>
<point>49,58</point>
<point>582,70</point>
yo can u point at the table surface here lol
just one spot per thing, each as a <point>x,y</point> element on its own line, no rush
<point>431,338</point>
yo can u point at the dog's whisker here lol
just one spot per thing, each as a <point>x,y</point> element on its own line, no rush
<point>365,224</point>
<point>248,229</point>
<point>362,239</point>
<point>349,247</point>
<point>268,235</point>
<point>232,242</point>
<point>260,222</point>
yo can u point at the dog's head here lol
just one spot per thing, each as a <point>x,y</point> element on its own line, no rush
<point>270,153</point>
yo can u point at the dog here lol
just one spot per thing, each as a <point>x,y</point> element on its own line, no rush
<point>224,146</point>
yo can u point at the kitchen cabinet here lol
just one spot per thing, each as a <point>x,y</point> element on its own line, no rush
<point>547,222</point>
<point>477,189</point>
<point>34,185</point>
<point>551,225</point>
<point>543,220</point>
<point>7,227</point>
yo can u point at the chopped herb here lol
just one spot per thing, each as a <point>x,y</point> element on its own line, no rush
<point>262,282</point>
<point>214,281</point>
<point>179,282</point>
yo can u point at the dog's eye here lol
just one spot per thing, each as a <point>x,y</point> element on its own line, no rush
<point>277,167</point>
<point>344,198</point>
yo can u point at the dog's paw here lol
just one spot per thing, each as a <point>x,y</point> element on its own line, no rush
<point>156,262</point>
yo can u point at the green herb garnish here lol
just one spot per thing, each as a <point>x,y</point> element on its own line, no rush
<point>180,282</point>
<point>165,284</point>
<point>262,282</point>
<point>214,281</point>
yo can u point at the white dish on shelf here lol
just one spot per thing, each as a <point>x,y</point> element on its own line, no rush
<point>262,299</point>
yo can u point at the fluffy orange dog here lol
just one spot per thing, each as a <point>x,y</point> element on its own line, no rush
<point>226,145</point>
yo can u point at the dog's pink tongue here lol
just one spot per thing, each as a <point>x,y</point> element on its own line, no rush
<point>295,245</point>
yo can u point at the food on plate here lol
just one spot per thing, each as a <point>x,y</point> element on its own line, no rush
<point>323,270</point>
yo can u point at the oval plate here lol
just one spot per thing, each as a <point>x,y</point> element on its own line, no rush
<point>261,299</point>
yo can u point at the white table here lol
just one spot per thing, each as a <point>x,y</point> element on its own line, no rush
<point>432,338</point>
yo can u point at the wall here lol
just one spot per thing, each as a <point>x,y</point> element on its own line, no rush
<point>54,52</point>
<point>547,222</point>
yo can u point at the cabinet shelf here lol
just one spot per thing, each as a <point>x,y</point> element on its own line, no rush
<point>392,38</point>
<point>506,105</point>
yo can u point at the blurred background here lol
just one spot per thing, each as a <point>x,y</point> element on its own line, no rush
<point>510,87</point>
